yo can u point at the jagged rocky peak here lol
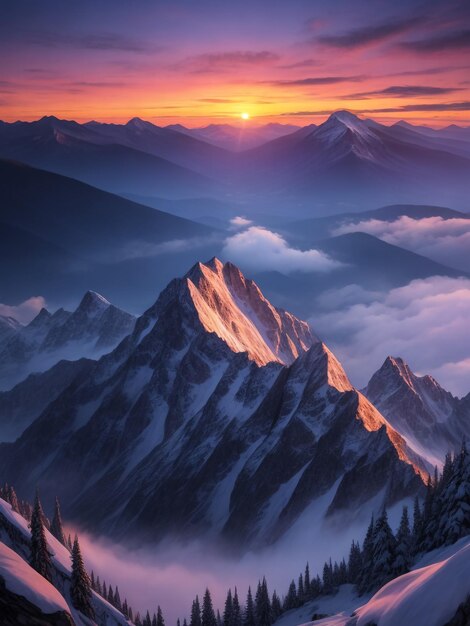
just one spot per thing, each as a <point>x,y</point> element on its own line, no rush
<point>234,308</point>
<point>93,303</point>
<point>396,375</point>
<point>43,317</point>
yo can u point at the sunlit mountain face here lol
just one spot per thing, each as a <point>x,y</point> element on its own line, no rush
<point>234,305</point>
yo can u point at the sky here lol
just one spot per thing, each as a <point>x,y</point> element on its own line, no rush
<point>198,62</point>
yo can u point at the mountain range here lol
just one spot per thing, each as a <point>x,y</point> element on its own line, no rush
<point>221,417</point>
<point>375,164</point>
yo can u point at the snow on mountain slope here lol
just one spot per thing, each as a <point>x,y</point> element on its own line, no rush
<point>214,387</point>
<point>431,419</point>
<point>235,310</point>
<point>22,580</point>
<point>8,326</point>
<point>96,326</point>
<point>428,596</point>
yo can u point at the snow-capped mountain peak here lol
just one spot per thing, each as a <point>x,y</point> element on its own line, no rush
<point>92,303</point>
<point>430,418</point>
<point>234,308</point>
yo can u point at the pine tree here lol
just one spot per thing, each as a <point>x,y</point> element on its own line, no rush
<point>300,591</point>
<point>354,563</point>
<point>185,623</point>
<point>125,608</point>
<point>276,607</point>
<point>147,620</point>
<point>307,582</point>
<point>237,613</point>
<point>454,518</point>
<point>403,551</point>
<point>196,613</point>
<point>40,559</point>
<point>104,591</point>
<point>110,597</point>
<point>365,578</point>
<point>228,610</point>
<point>207,614</point>
<point>328,581</point>
<point>383,552</point>
<point>249,612</point>
<point>315,587</point>
<point>290,601</point>
<point>138,620</point>
<point>218,618</point>
<point>80,588</point>
<point>130,613</point>
<point>117,599</point>
<point>263,605</point>
<point>56,526</point>
<point>417,527</point>
<point>160,618</point>
<point>154,621</point>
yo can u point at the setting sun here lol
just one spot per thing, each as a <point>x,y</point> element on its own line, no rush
<point>245,116</point>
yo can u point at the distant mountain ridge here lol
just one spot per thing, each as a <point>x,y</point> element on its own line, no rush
<point>376,164</point>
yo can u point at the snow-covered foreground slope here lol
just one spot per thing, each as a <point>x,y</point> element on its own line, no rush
<point>429,418</point>
<point>427,596</point>
<point>219,417</point>
<point>21,580</point>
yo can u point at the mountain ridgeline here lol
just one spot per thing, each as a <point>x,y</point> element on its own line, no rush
<point>219,417</point>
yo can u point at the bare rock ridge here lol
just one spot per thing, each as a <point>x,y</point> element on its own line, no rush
<point>218,416</point>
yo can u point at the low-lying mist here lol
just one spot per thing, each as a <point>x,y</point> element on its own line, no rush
<point>171,575</point>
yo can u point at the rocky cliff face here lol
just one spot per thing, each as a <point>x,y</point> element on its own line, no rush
<point>431,419</point>
<point>219,416</point>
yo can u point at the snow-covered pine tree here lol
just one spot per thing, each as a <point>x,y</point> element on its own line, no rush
<point>80,587</point>
<point>195,613</point>
<point>454,521</point>
<point>354,563</point>
<point>56,525</point>
<point>40,558</point>
<point>403,551</point>
<point>383,552</point>
<point>249,612</point>
<point>207,614</point>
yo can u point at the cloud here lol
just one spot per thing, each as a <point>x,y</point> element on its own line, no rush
<point>318,80</point>
<point>405,91</point>
<point>92,41</point>
<point>444,240</point>
<point>24,312</point>
<point>260,249</point>
<point>425,322</point>
<point>366,35</point>
<point>240,222</point>
<point>225,61</point>
<point>455,40</point>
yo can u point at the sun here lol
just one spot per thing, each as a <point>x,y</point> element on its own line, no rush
<point>245,116</point>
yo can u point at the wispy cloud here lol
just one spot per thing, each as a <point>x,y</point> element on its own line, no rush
<point>317,80</point>
<point>455,40</point>
<point>103,41</point>
<point>225,61</point>
<point>404,91</point>
<point>369,34</point>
